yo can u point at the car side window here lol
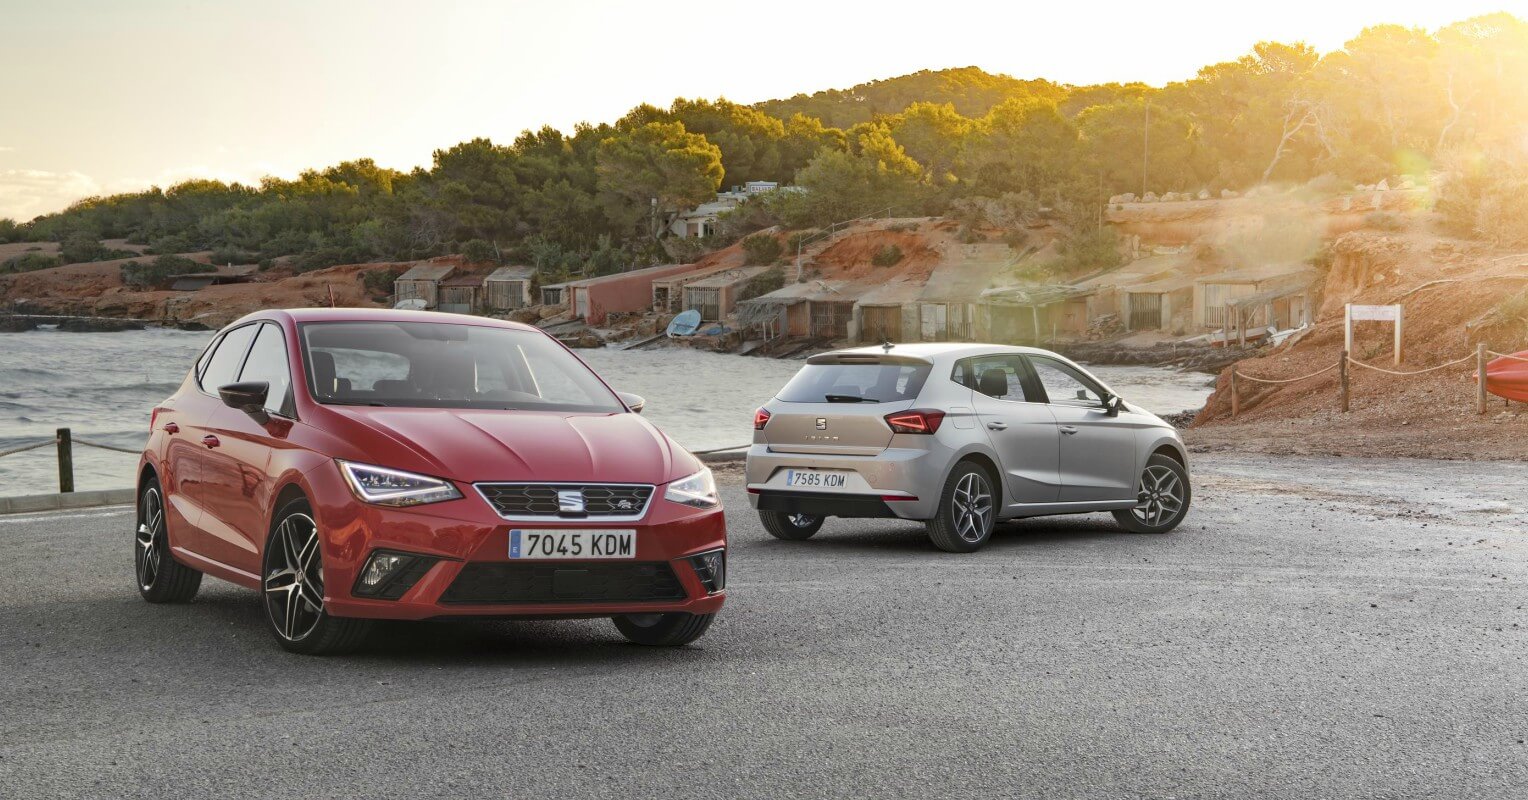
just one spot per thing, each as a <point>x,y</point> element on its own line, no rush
<point>1065,385</point>
<point>223,368</point>
<point>1000,377</point>
<point>268,362</point>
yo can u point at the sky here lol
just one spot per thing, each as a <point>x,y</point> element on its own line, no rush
<point>106,96</point>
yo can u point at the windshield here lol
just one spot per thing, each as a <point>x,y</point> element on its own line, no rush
<point>439,365</point>
<point>855,383</point>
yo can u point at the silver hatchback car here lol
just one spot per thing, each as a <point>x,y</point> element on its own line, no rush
<point>959,436</point>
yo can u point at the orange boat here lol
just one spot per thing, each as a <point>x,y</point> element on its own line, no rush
<point>1508,377</point>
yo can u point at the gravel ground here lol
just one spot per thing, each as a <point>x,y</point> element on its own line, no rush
<point>1318,628</point>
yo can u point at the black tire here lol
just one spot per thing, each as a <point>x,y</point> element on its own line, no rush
<point>790,527</point>
<point>291,572</point>
<point>952,529</point>
<point>1164,493</point>
<point>663,630</point>
<point>160,578</point>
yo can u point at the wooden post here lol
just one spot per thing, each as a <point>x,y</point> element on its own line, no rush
<point>1400,323</point>
<point>1347,328</point>
<point>1235,401</point>
<point>1480,377</point>
<point>1342,379</point>
<point>65,461</point>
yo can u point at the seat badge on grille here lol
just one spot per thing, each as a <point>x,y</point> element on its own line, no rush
<point>570,501</point>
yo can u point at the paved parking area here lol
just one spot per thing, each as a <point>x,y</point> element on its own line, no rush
<point>1317,628</point>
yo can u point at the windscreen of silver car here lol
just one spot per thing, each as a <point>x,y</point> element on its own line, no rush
<point>855,383</point>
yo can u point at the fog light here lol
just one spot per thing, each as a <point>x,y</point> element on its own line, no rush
<point>388,576</point>
<point>711,568</point>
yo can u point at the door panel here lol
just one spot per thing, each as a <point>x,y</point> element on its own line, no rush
<point>236,487</point>
<point>1023,434</point>
<point>1098,460</point>
<point>1098,452</point>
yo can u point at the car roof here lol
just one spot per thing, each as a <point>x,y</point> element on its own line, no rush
<point>301,315</point>
<point>932,351</point>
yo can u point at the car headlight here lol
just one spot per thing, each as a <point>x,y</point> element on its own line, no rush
<point>698,490</point>
<point>391,487</point>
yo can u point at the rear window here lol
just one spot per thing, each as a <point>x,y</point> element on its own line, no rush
<point>855,383</point>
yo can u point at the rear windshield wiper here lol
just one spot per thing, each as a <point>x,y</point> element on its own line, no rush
<point>848,398</point>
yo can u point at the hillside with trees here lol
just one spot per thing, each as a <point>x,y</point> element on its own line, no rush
<point>984,148</point>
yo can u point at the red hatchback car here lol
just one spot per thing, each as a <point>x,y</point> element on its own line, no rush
<point>354,465</point>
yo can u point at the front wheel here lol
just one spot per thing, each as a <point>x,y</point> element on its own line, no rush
<point>1162,498</point>
<point>293,588</point>
<point>791,527</point>
<point>967,511</point>
<point>663,630</point>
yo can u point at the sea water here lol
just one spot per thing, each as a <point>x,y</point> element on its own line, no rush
<point>103,386</point>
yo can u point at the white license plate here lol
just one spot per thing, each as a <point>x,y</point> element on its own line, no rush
<point>572,543</point>
<point>816,479</point>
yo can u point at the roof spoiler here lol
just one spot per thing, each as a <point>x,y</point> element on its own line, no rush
<point>869,358</point>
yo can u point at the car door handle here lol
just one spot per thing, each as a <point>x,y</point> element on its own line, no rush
<point>1068,430</point>
<point>998,426</point>
<point>170,427</point>
<point>210,440</point>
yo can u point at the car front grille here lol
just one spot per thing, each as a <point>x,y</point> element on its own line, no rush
<point>498,583</point>
<point>604,501</point>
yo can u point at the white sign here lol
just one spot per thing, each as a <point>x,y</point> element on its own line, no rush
<point>1354,313</point>
<point>1381,313</point>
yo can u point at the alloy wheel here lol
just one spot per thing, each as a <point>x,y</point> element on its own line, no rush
<point>801,520</point>
<point>1159,497</point>
<point>150,535</point>
<point>971,505</point>
<point>294,578</point>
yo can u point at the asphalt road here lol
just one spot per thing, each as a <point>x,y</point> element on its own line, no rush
<point>1317,628</point>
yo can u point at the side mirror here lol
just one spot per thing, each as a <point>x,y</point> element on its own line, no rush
<point>1113,404</point>
<point>632,401</point>
<point>247,397</point>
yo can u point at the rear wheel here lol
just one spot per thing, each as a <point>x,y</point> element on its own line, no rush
<point>293,587</point>
<point>663,630</point>
<point>791,527</point>
<point>161,579</point>
<point>1163,496</point>
<point>967,510</point>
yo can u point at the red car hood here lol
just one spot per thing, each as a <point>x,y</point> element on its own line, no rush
<point>476,446</point>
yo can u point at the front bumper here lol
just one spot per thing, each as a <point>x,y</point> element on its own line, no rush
<point>471,543</point>
<point>896,472</point>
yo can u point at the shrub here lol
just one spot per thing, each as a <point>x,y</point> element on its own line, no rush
<point>174,243</point>
<point>478,251</point>
<point>798,240</point>
<point>379,281</point>
<point>888,255</point>
<point>29,262</point>
<point>1385,221</point>
<point>156,274</point>
<point>762,283</point>
<point>761,248</point>
<point>1486,198</point>
<point>233,255</point>
<point>9,230</point>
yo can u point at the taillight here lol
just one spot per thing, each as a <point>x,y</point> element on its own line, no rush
<point>915,421</point>
<point>760,418</point>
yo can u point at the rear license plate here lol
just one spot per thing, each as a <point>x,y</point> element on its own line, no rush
<point>570,543</point>
<point>816,479</point>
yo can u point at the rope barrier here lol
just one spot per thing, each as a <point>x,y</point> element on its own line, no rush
<point>1469,357</point>
<point>1506,356</point>
<point>129,451</point>
<point>1286,380</point>
<point>25,448</point>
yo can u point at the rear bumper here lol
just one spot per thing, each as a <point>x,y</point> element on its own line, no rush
<point>894,472</point>
<point>470,543</point>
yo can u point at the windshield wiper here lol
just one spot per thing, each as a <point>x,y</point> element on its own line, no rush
<point>848,398</point>
<point>353,403</point>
